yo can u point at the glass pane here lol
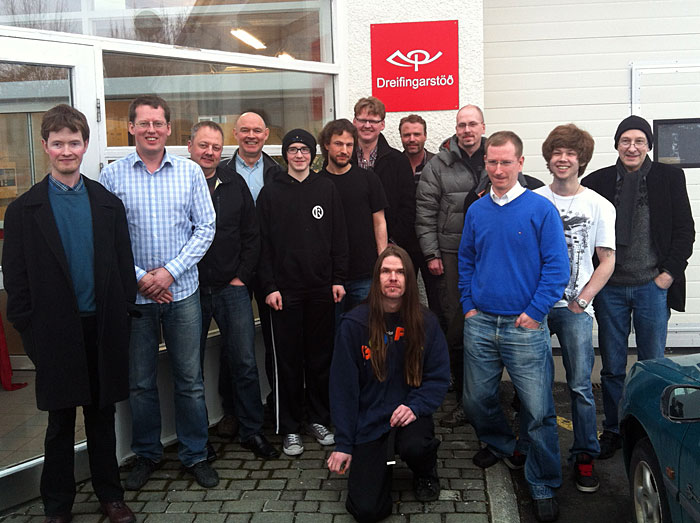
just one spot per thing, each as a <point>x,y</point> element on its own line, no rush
<point>299,29</point>
<point>199,91</point>
<point>26,93</point>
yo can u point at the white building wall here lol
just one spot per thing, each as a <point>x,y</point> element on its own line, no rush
<point>548,62</point>
<point>353,55</point>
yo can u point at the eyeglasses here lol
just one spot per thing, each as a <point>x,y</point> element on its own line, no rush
<point>365,121</point>
<point>471,125</point>
<point>302,150</point>
<point>502,163</point>
<point>146,125</point>
<point>638,143</point>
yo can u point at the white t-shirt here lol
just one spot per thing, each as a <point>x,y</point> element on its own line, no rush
<point>589,222</point>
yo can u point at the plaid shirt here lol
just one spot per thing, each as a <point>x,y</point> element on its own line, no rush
<point>170,214</point>
<point>366,163</point>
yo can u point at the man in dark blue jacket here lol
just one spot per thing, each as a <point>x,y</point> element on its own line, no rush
<point>390,373</point>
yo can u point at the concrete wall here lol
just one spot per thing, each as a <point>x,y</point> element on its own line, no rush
<point>353,54</point>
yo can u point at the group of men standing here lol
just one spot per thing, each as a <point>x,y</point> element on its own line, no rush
<point>156,249</point>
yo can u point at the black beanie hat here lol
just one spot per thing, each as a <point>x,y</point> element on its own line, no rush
<point>634,122</point>
<point>299,136</point>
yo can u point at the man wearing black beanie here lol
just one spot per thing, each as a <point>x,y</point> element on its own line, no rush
<point>654,234</point>
<point>302,269</point>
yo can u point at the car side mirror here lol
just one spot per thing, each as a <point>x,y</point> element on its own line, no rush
<point>681,403</point>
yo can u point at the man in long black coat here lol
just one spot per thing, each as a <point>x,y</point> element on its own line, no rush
<point>69,275</point>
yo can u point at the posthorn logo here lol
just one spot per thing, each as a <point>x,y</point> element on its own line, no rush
<point>317,212</point>
<point>412,58</point>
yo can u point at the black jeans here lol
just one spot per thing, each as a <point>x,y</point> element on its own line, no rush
<point>57,478</point>
<point>369,484</point>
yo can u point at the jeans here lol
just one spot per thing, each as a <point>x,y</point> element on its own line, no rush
<point>231,309</point>
<point>492,342</point>
<point>182,323</point>
<point>575,334</point>
<point>615,306</point>
<point>355,292</point>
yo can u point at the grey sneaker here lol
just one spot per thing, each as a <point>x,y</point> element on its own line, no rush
<point>321,433</point>
<point>292,445</point>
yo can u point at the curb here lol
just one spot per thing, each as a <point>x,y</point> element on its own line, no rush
<point>503,505</point>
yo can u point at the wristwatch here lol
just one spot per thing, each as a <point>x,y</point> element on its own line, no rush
<point>582,303</point>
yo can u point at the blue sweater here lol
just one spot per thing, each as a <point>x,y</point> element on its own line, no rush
<point>361,406</point>
<point>513,259</point>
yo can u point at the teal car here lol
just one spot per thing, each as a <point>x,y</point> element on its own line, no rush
<point>660,426</point>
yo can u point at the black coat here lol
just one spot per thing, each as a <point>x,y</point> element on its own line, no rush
<point>42,306</point>
<point>670,219</point>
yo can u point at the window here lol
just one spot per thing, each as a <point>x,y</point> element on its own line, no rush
<point>676,142</point>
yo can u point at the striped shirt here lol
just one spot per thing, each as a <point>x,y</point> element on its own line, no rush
<point>170,215</point>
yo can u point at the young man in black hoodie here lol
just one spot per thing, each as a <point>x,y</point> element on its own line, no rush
<point>302,269</point>
<point>226,275</point>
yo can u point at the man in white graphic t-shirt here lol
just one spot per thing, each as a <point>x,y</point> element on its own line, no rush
<point>589,227</point>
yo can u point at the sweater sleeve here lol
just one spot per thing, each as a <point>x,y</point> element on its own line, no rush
<point>345,384</point>
<point>425,399</point>
<point>554,274</point>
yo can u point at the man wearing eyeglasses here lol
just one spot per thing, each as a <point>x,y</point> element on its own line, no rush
<point>226,276</point>
<point>171,222</point>
<point>513,267</point>
<point>394,170</point>
<point>303,266</point>
<point>445,181</point>
<point>654,234</point>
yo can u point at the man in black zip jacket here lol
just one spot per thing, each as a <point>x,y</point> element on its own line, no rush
<point>303,266</point>
<point>226,273</point>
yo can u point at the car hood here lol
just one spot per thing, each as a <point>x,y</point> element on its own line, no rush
<point>688,365</point>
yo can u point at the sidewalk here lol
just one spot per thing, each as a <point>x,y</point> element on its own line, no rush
<point>302,490</point>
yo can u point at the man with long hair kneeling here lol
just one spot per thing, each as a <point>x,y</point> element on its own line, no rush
<point>390,373</point>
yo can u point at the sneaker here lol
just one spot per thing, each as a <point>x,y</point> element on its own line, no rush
<point>204,474</point>
<point>321,433</point>
<point>546,509</point>
<point>228,426</point>
<point>140,472</point>
<point>516,461</point>
<point>455,418</point>
<point>427,488</point>
<point>586,480</point>
<point>609,443</point>
<point>485,458</point>
<point>292,445</point>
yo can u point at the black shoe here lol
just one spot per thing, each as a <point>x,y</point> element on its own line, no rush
<point>609,443</point>
<point>211,453</point>
<point>454,418</point>
<point>546,509</point>
<point>204,474</point>
<point>59,519</point>
<point>516,461</point>
<point>586,480</point>
<point>260,447</point>
<point>427,488</point>
<point>140,472</point>
<point>485,458</point>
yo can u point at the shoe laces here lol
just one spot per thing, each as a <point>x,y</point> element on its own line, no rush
<point>322,430</point>
<point>292,439</point>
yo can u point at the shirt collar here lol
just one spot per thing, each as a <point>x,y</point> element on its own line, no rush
<point>508,197</point>
<point>240,162</point>
<point>166,159</point>
<point>63,187</point>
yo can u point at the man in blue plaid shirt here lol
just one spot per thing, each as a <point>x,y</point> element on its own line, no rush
<point>172,223</point>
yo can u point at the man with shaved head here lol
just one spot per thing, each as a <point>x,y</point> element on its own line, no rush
<point>257,169</point>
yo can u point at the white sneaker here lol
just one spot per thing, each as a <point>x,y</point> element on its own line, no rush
<point>292,445</point>
<point>321,433</point>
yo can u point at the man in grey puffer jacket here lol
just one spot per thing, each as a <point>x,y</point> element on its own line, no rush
<point>445,182</point>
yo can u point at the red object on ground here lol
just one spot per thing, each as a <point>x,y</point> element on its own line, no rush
<point>5,367</point>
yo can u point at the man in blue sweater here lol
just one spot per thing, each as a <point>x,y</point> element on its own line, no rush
<point>513,267</point>
<point>390,372</point>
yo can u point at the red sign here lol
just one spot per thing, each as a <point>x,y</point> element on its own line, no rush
<point>415,66</point>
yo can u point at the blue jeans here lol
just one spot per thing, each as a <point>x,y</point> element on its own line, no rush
<point>355,292</point>
<point>182,323</point>
<point>492,342</point>
<point>615,307</point>
<point>575,334</point>
<point>231,309</point>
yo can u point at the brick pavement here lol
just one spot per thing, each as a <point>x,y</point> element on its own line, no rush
<point>291,489</point>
